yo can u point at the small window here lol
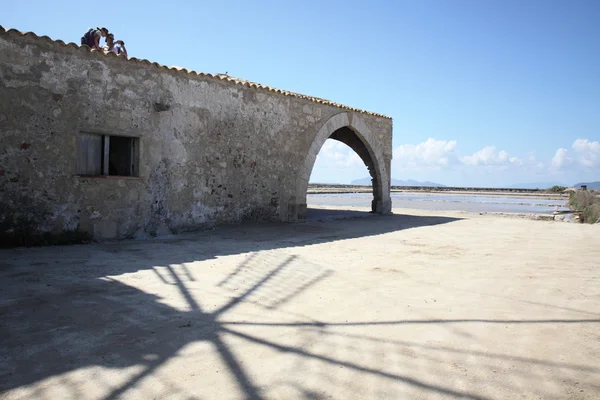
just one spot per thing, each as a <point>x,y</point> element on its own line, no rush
<point>107,155</point>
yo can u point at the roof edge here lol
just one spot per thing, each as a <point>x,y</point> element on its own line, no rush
<point>221,77</point>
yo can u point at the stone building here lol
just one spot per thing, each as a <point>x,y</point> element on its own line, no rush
<point>120,148</point>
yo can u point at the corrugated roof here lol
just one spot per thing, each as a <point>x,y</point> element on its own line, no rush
<point>222,77</point>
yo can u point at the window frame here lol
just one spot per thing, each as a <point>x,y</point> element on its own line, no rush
<point>135,147</point>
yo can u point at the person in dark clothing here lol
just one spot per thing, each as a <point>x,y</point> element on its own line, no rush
<point>92,37</point>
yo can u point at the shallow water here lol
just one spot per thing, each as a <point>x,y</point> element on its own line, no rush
<point>445,202</point>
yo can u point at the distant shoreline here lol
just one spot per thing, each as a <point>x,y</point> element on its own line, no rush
<point>317,188</point>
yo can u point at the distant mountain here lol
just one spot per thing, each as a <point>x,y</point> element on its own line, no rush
<point>398,182</point>
<point>590,185</point>
<point>535,185</point>
<point>362,181</point>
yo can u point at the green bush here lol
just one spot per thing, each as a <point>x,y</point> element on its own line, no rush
<point>556,189</point>
<point>588,203</point>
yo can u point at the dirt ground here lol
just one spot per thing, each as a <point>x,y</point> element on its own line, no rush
<point>418,305</point>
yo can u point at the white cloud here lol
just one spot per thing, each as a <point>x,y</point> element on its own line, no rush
<point>531,157</point>
<point>430,152</point>
<point>585,153</point>
<point>489,156</point>
<point>561,158</point>
<point>438,154</point>
<point>336,154</point>
<point>588,152</point>
<point>440,160</point>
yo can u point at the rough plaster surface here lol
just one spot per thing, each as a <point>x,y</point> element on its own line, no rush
<point>221,152</point>
<point>416,305</point>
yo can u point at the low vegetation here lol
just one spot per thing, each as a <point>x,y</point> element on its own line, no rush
<point>556,189</point>
<point>588,203</point>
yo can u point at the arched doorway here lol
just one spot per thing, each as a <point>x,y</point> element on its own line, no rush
<point>349,129</point>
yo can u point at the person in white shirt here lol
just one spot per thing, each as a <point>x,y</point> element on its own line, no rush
<point>115,46</point>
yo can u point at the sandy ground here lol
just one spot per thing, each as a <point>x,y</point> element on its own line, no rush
<point>418,305</point>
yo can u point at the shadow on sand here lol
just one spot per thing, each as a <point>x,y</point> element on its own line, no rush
<point>328,214</point>
<point>56,320</point>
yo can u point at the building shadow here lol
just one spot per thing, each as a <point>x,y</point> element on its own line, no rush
<point>328,214</point>
<point>132,255</point>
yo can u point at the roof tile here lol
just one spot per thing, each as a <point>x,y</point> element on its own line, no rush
<point>223,77</point>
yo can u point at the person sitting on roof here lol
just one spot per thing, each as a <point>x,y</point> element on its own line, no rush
<point>92,37</point>
<point>112,46</point>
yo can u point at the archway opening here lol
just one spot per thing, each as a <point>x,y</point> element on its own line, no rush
<point>370,147</point>
<point>344,179</point>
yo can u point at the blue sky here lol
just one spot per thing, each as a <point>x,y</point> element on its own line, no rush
<point>484,93</point>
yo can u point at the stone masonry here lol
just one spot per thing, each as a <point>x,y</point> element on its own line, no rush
<point>201,149</point>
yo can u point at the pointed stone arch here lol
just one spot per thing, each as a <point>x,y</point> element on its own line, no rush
<point>350,129</point>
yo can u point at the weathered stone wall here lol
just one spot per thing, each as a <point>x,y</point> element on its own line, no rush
<point>224,151</point>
